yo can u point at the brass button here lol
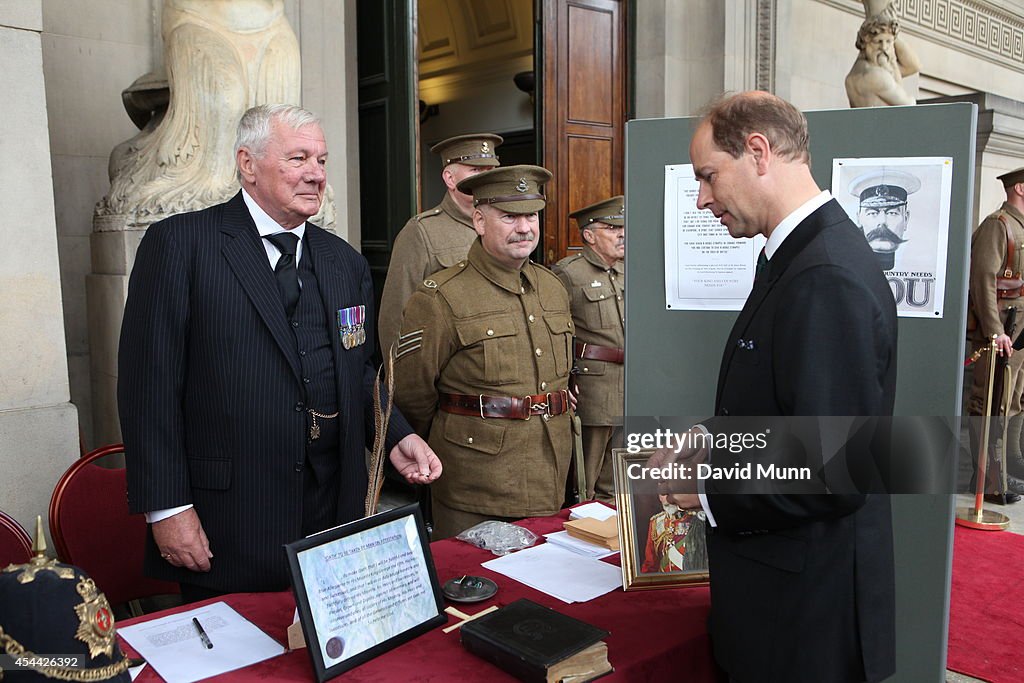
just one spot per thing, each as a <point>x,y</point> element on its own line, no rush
<point>586,369</point>
<point>522,290</point>
<point>531,318</point>
<point>538,352</point>
<point>490,333</point>
<point>543,386</point>
<point>469,439</point>
<point>619,298</point>
<point>601,297</point>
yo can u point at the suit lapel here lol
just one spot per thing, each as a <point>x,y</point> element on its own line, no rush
<point>335,293</point>
<point>247,258</point>
<point>796,242</point>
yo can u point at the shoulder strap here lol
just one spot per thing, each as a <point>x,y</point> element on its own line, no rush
<point>1010,261</point>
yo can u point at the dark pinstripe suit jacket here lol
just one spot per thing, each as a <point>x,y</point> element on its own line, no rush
<point>210,395</point>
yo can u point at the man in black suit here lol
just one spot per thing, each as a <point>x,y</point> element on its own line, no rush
<point>245,384</point>
<point>802,586</point>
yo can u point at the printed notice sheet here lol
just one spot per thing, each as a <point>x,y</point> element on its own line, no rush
<point>173,647</point>
<point>902,206</point>
<point>366,588</point>
<point>706,269</point>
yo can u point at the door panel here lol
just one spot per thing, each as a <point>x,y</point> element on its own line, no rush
<point>582,97</point>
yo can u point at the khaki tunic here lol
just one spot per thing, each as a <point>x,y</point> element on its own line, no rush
<point>429,242</point>
<point>988,255</point>
<point>596,296</point>
<point>480,328</point>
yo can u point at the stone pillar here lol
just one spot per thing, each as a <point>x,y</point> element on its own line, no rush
<point>999,146</point>
<point>38,424</point>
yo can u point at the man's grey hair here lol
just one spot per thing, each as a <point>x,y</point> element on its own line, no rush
<point>254,129</point>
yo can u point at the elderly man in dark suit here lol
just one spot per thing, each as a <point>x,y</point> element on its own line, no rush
<point>245,387</point>
<point>802,586</point>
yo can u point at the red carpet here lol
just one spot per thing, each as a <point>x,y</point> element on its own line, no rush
<point>986,615</point>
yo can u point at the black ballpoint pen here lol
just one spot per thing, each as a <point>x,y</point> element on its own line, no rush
<point>202,634</point>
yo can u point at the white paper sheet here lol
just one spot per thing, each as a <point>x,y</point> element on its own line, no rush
<point>560,573</point>
<point>598,511</point>
<point>171,644</point>
<point>578,545</point>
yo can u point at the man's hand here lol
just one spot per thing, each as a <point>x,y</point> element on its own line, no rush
<point>415,460</point>
<point>182,541</point>
<point>1005,345</point>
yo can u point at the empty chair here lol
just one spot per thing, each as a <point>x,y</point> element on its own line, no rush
<point>91,529</point>
<point>15,543</point>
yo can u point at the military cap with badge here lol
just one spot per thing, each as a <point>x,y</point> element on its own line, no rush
<point>474,149</point>
<point>882,214</point>
<point>514,189</point>
<point>611,211</point>
<point>55,624</point>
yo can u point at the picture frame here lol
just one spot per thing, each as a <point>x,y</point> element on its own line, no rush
<point>364,588</point>
<point>658,550</point>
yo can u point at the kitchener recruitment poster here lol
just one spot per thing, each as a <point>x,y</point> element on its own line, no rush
<point>902,206</point>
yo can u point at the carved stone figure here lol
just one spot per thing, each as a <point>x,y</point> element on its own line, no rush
<point>221,57</point>
<point>876,78</point>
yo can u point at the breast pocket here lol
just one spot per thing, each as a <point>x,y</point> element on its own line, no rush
<point>599,310</point>
<point>489,348</point>
<point>560,330</point>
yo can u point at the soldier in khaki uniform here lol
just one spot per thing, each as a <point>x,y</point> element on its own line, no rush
<point>438,238</point>
<point>988,315</point>
<point>482,364</point>
<point>596,284</point>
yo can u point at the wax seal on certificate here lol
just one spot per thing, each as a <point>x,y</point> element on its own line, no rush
<point>335,646</point>
<point>469,589</point>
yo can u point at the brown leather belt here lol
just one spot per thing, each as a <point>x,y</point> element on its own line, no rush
<point>595,352</point>
<point>513,407</point>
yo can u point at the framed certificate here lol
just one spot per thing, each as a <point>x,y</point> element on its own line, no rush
<point>363,588</point>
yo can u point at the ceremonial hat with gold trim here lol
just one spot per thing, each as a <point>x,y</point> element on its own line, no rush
<point>55,623</point>
<point>475,149</point>
<point>1012,178</point>
<point>885,188</point>
<point>515,189</point>
<point>611,211</point>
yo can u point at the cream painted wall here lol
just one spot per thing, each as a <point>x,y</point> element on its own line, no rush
<point>38,425</point>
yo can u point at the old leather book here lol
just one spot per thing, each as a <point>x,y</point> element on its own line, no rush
<point>536,643</point>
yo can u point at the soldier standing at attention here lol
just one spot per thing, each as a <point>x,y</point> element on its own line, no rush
<point>438,238</point>
<point>596,284</point>
<point>995,288</point>
<point>482,364</point>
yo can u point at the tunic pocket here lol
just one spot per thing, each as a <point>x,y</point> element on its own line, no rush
<point>490,346</point>
<point>560,328</point>
<point>599,311</point>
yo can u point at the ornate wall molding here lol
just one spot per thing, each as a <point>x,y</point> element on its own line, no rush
<point>766,13</point>
<point>978,28</point>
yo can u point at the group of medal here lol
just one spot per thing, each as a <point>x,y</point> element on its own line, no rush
<point>351,323</point>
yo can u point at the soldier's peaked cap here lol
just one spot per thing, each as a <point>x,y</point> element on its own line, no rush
<point>1012,178</point>
<point>610,211</point>
<point>881,189</point>
<point>515,189</point>
<point>474,149</point>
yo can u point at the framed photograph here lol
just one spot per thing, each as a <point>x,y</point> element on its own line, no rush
<point>662,545</point>
<point>363,588</point>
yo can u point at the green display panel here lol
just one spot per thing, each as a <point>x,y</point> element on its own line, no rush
<point>673,357</point>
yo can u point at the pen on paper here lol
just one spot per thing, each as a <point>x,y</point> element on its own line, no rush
<point>202,634</point>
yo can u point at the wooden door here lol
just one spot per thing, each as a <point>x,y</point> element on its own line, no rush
<point>388,128</point>
<point>582,98</point>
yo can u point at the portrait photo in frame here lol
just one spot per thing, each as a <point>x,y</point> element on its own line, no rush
<point>363,588</point>
<point>662,547</point>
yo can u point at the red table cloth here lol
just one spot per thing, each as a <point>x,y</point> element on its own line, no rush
<point>656,635</point>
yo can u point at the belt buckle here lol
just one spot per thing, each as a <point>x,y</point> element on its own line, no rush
<point>480,402</point>
<point>529,407</point>
<point>583,351</point>
<point>547,399</point>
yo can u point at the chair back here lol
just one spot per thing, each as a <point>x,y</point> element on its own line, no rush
<point>15,543</point>
<point>92,529</point>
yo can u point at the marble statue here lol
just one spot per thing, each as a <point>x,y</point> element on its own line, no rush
<point>876,78</point>
<point>221,57</point>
